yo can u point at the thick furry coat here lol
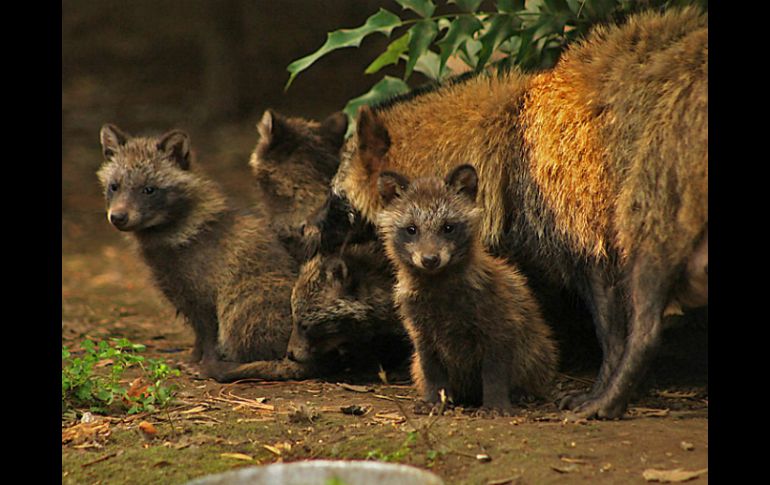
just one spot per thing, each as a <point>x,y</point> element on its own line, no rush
<point>593,174</point>
<point>228,276</point>
<point>476,327</point>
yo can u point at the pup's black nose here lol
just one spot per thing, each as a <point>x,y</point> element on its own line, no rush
<point>430,262</point>
<point>119,219</point>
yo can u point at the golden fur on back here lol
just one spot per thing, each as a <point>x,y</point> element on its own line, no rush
<point>614,139</point>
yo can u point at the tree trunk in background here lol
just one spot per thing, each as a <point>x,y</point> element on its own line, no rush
<point>220,37</point>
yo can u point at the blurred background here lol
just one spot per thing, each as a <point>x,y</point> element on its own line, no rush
<point>210,67</point>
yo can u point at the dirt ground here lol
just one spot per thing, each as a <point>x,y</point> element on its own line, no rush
<point>114,72</point>
<point>106,292</point>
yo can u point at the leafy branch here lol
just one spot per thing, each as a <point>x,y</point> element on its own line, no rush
<point>527,34</point>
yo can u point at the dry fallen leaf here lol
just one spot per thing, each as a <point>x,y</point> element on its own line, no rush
<point>272,449</point>
<point>136,389</point>
<point>578,461</point>
<point>148,428</point>
<point>648,412</point>
<point>669,476</point>
<point>565,469</point>
<point>354,388</point>
<point>686,446</point>
<point>392,417</point>
<point>677,394</point>
<point>196,409</point>
<point>236,456</point>
<point>103,363</point>
<point>93,433</point>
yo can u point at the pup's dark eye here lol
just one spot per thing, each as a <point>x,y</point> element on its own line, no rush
<point>411,230</point>
<point>148,190</point>
<point>113,187</point>
<point>448,228</point>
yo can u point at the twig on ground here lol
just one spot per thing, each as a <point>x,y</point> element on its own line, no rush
<point>581,380</point>
<point>103,458</point>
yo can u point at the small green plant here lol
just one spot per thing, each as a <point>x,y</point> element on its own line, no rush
<point>397,455</point>
<point>95,378</point>
<point>431,456</point>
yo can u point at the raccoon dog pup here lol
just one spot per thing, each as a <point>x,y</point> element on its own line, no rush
<point>223,270</point>
<point>342,305</point>
<point>475,326</point>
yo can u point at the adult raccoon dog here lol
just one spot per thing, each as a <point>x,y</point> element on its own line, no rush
<point>476,328</point>
<point>593,175</point>
<point>221,269</point>
<point>343,313</point>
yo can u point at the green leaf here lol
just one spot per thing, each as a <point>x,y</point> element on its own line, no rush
<point>383,21</point>
<point>387,87</point>
<point>469,6</point>
<point>510,6</point>
<point>420,36</point>
<point>424,8</point>
<point>468,52</point>
<point>524,49</point>
<point>557,6</point>
<point>598,9</point>
<point>502,28</point>
<point>391,55</point>
<point>428,64</point>
<point>461,29</point>
<point>103,395</point>
<point>575,5</point>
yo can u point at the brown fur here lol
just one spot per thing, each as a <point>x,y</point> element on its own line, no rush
<point>293,163</point>
<point>342,310</point>
<point>476,327</point>
<point>583,129</point>
<point>228,276</point>
<point>594,173</point>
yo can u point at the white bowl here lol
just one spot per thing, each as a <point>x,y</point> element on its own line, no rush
<point>323,472</point>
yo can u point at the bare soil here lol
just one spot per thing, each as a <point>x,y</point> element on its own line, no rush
<point>107,292</point>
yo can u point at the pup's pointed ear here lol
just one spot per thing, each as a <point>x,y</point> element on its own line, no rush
<point>464,180</point>
<point>334,127</point>
<point>373,139</point>
<point>391,185</point>
<point>112,138</point>
<point>265,127</point>
<point>176,145</point>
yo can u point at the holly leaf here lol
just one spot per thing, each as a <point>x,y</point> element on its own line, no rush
<point>460,30</point>
<point>428,64</point>
<point>424,8</point>
<point>469,6</point>
<point>510,6</point>
<point>391,55</point>
<point>383,21</point>
<point>386,88</point>
<point>420,36</point>
<point>502,28</point>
